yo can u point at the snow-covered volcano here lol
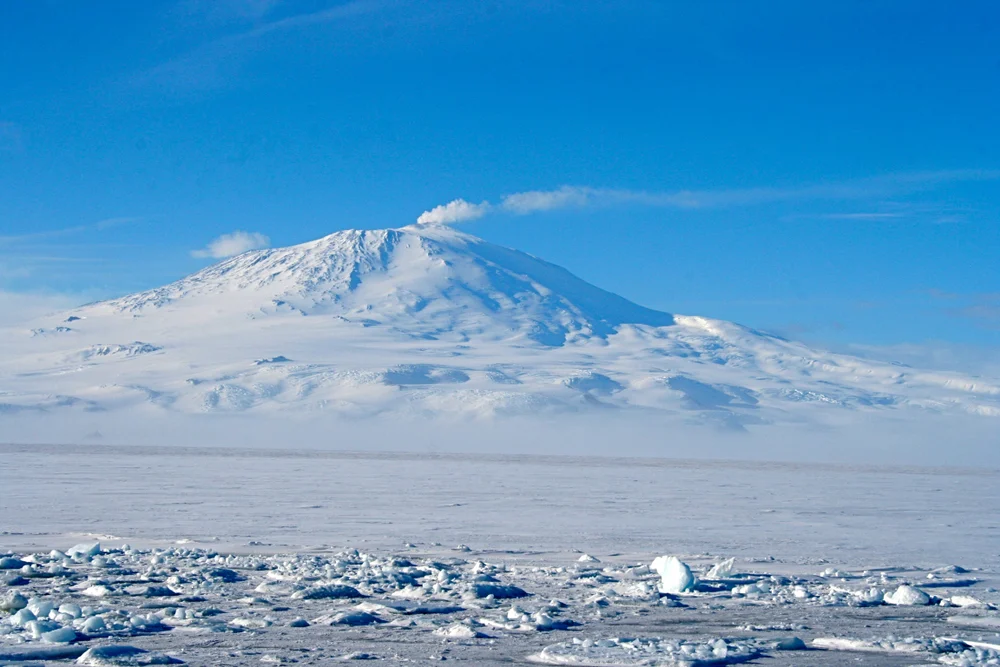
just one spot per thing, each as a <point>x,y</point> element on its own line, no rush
<point>431,282</point>
<point>429,320</point>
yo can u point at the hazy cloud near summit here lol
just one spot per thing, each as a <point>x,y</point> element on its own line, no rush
<point>230,245</point>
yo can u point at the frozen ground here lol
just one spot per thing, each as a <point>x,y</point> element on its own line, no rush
<point>209,556</point>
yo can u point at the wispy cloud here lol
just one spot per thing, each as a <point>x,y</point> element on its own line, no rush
<point>981,308</point>
<point>547,200</point>
<point>229,245</point>
<point>32,264</point>
<point>100,225</point>
<point>893,207</point>
<point>941,294</point>
<point>937,355</point>
<point>216,61</point>
<point>575,196</point>
<point>985,313</point>
<point>339,12</point>
<point>862,216</point>
<point>221,11</point>
<point>866,188</point>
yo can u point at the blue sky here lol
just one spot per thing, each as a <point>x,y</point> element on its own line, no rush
<point>829,171</point>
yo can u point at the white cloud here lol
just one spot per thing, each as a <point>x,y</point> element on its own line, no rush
<point>547,200</point>
<point>232,244</point>
<point>457,210</point>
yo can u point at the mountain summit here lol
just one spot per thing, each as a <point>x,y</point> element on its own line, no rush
<point>431,281</point>
<point>427,320</point>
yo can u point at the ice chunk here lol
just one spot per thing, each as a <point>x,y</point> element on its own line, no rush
<point>13,602</point>
<point>416,607</point>
<point>62,635</point>
<point>459,631</point>
<point>84,551</point>
<point>498,591</point>
<point>250,623</point>
<point>20,653</point>
<point>908,596</point>
<point>23,617</point>
<point>123,656</point>
<point>71,609</point>
<point>331,592</point>
<point>722,570</point>
<point>627,652</point>
<point>353,618</point>
<point>545,622</point>
<point>14,580</point>
<point>965,601</point>
<point>93,625</point>
<point>96,591</point>
<point>225,575</point>
<point>41,608</point>
<point>790,644</point>
<point>756,589</point>
<point>675,576</point>
<point>11,563</point>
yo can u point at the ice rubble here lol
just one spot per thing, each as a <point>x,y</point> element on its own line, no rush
<point>945,650</point>
<point>86,595</point>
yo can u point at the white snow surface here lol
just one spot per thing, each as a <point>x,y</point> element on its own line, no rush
<point>428,320</point>
<point>248,556</point>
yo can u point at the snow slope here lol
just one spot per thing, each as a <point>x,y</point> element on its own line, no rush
<point>427,320</point>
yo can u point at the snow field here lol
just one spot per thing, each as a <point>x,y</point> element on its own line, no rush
<point>241,557</point>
